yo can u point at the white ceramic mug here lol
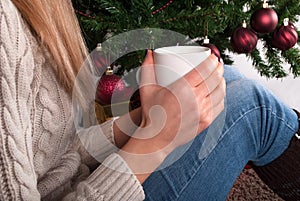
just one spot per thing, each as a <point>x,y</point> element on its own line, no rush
<point>172,63</point>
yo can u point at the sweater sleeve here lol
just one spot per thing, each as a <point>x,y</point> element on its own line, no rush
<point>17,176</point>
<point>95,143</point>
<point>111,181</point>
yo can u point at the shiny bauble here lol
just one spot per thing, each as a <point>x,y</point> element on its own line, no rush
<point>285,36</point>
<point>112,89</point>
<point>264,20</point>
<point>243,40</point>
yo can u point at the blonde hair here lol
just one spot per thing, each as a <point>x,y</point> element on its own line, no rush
<point>56,24</point>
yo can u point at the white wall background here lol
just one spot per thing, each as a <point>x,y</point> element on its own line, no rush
<point>288,88</point>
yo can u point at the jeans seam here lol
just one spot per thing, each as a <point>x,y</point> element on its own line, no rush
<point>251,110</point>
<point>226,132</point>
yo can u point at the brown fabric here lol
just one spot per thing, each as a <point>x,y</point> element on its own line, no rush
<point>249,187</point>
<point>283,174</point>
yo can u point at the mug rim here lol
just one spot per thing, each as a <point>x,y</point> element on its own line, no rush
<point>181,49</point>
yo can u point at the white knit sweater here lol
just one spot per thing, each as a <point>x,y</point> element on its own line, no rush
<point>40,154</point>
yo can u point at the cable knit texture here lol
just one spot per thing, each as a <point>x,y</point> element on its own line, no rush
<point>41,156</point>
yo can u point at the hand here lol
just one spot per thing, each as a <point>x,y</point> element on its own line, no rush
<point>176,114</point>
<point>173,115</point>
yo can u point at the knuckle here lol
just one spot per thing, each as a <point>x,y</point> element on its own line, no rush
<point>207,122</point>
<point>221,67</point>
<point>223,86</point>
<point>223,93</point>
<point>222,105</point>
<point>213,60</point>
<point>207,118</point>
<point>219,74</point>
<point>208,66</point>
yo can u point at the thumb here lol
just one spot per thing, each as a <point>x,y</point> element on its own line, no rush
<point>147,71</point>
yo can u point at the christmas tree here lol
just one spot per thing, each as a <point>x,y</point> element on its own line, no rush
<point>218,20</point>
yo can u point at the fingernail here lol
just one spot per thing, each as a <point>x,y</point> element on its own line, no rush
<point>214,56</point>
<point>149,52</point>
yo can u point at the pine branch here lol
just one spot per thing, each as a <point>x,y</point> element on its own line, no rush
<point>292,56</point>
<point>259,64</point>
<point>275,62</point>
<point>193,18</point>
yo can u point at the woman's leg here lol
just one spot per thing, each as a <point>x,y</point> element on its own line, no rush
<point>254,126</point>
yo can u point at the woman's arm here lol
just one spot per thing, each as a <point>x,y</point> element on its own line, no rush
<point>97,142</point>
<point>17,175</point>
<point>125,126</point>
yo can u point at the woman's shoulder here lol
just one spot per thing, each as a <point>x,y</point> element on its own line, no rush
<point>8,11</point>
<point>15,35</point>
<point>16,52</point>
<point>10,22</point>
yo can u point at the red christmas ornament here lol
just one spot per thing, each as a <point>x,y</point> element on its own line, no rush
<point>212,47</point>
<point>99,58</point>
<point>243,40</point>
<point>285,37</point>
<point>264,20</point>
<point>111,85</point>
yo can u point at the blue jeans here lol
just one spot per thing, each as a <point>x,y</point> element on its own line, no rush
<point>254,126</point>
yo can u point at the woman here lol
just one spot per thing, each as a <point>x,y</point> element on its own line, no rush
<point>41,157</point>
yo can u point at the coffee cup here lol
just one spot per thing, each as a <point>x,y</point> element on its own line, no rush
<point>173,62</point>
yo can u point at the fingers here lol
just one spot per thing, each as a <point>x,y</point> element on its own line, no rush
<point>201,72</point>
<point>207,117</point>
<point>147,71</point>
<point>215,97</point>
<point>212,105</point>
<point>211,93</point>
<point>213,80</point>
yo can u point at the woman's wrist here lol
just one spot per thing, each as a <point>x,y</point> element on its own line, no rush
<point>143,156</point>
<point>125,126</point>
